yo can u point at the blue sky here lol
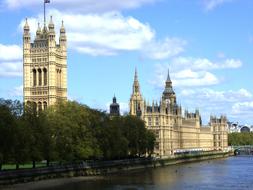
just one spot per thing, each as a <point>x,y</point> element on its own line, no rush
<point>207,44</point>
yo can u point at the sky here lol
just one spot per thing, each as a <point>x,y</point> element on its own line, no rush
<point>206,44</point>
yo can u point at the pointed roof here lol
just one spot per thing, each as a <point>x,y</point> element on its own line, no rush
<point>51,23</point>
<point>114,100</point>
<point>168,76</point>
<point>168,86</point>
<point>62,30</point>
<point>26,26</point>
<point>135,75</point>
<point>39,29</point>
<point>136,86</point>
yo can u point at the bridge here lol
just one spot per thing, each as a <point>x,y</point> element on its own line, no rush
<point>243,150</point>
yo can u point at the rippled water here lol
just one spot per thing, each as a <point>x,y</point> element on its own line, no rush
<point>230,173</point>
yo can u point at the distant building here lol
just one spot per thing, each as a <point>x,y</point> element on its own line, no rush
<point>174,131</point>
<point>45,66</point>
<point>114,108</point>
<point>245,129</point>
<point>234,127</point>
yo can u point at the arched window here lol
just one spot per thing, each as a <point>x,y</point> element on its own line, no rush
<point>34,107</point>
<point>40,77</point>
<point>45,105</point>
<point>39,106</point>
<point>45,76</point>
<point>34,77</point>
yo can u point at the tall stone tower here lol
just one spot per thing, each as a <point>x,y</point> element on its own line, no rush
<point>136,101</point>
<point>168,94</point>
<point>44,66</point>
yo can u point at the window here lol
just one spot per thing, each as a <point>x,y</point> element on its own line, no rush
<point>34,77</point>
<point>156,121</point>
<point>149,121</point>
<point>45,105</point>
<point>39,106</point>
<point>34,107</point>
<point>40,77</point>
<point>45,76</point>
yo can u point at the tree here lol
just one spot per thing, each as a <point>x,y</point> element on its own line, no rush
<point>34,124</point>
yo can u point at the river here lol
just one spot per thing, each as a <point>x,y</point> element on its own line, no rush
<point>230,173</point>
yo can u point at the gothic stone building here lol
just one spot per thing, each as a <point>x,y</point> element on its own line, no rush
<point>45,66</point>
<point>174,131</point>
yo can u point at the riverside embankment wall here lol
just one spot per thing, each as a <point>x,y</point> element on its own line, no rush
<point>99,168</point>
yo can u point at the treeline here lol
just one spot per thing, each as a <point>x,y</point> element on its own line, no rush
<point>238,139</point>
<point>68,132</point>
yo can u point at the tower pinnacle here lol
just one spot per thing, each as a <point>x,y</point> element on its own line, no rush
<point>26,26</point>
<point>168,76</point>
<point>135,75</point>
<point>136,86</point>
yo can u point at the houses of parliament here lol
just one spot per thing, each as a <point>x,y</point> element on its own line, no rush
<point>174,131</point>
<point>45,82</point>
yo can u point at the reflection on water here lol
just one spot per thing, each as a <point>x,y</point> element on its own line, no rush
<point>231,173</point>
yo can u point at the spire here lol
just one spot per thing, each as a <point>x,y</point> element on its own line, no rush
<point>135,75</point>
<point>26,34</point>
<point>51,24</point>
<point>114,100</point>
<point>168,92</point>
<point>63,37</point>
<point>62,30</point>
<point>136,86</point>
<point>38,30</point>
<point>26,26</point>
<point>168,77</point>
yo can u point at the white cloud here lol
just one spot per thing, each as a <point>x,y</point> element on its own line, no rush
<point>180,63</point>
<point>84,6</point>
<point>10,52</point>
<point>11,69</point>
<point>236,104</point>
<point>243,108</point>
<point>163,49</point>
<point>190,78</point>
<point>10,60</point>
<point>110,33</point>
<point>212,4</point>
<point>192,72</point>
<point>218,96</point>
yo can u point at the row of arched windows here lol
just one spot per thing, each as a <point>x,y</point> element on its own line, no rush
<point>38,106</point>
<point>39,77</point>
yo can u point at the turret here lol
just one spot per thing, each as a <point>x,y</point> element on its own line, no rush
<point>51,33</point>
<point>114,107</point>
<point>26,34</point>
<point>63,38</point>
<point>168,93</point>
<point>136,101</point>
<point>136,86</point>
<point>38,32</point>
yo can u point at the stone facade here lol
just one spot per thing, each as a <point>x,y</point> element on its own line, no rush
<point>45,66</point>
<point>175,131</point>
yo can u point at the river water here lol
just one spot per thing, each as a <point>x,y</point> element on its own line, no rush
<point>230,173</point>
